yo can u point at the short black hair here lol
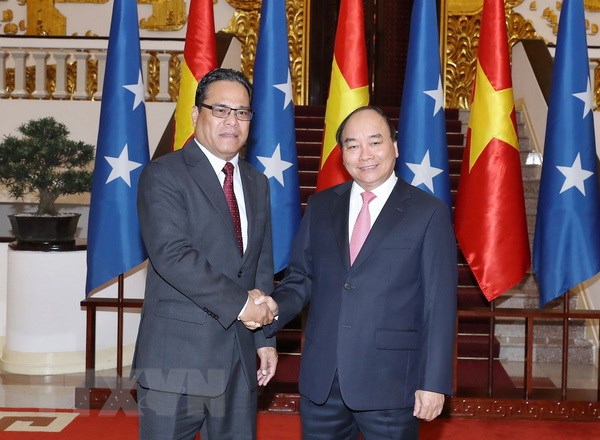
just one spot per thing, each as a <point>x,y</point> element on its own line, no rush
<point>338,133</point>
<point>220,74</point>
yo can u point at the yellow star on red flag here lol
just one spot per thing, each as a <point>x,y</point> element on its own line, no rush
<point>491,118</point>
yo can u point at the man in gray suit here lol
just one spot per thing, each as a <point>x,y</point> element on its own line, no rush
<point>205,220</point>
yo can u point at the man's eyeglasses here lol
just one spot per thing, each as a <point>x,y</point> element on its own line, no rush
<point>222,111</point>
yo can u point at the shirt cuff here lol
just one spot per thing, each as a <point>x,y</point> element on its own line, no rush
<point>243,309</point>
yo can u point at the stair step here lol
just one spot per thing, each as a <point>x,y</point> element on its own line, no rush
<point>472,375</point>
<point>476,346</point>
<point>310,149</point>
<point>288,369</point>
<point>455,140</point>
<point>548,350</point>
<point>453,126</point>
<point>465,276</point>
<point>543,330</point>
<point>316,111</point>
<point>473,326</point>
<point>471,296</point>
<point>308,162</point>
<point>309,135</point>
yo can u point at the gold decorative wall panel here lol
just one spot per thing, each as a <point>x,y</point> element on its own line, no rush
<point>44,19</point>
<point>462,41</point>
<point>167,15</point>
<point>244,25</point>
<point>592,5</point>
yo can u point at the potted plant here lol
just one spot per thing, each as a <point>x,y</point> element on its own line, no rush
<point>44,162</point>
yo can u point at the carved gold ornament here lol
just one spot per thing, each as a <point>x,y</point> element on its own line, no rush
<point>167,15</point>
<point>10,29</point>
<point>244,26</point>
<point>462,41</point>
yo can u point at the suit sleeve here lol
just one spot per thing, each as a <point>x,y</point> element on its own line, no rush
<point>264,273</point>
<point>163,220</point>
<point>293,293</point>
<point>439,321</point>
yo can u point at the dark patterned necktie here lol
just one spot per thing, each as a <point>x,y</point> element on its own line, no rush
<point>232,202</point>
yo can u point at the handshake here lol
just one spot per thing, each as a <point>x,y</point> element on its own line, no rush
<point>260,310</point>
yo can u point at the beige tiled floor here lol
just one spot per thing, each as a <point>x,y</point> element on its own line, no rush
<point>55,391</point>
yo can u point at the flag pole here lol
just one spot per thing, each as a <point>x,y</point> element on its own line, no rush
<point>120,296</point>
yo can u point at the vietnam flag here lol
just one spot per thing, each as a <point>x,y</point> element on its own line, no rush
<point>348,88</point>
<point>199,58</point>
<point>490,218</point>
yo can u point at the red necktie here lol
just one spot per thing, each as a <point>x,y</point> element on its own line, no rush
<point>361,227</point>
<point>232,202</point>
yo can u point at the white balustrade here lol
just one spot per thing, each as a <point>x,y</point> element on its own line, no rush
<point>145,61</point>
<point>20,53</point>
<point>20,58</point>
<point>3,56</point>
<point>163,85</point>
<point>39,59</point>
<point>61,59</point>
<point>81,59</point>
<point>101,58</point>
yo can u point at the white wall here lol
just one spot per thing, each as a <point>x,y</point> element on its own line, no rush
<point>82,118</point>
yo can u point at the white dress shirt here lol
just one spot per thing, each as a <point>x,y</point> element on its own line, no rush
<point>218,164</point>
<point>382,192</point>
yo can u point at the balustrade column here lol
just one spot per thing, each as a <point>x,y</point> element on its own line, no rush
<point>20,57</point>
<point>3,56</point>
<point>145,61</point>
<point>101,57</point>
<point>82,70</point>
<point>163,83</point>
<point>39,59</point>
<point>60,86</point>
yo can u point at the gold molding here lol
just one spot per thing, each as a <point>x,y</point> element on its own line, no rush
<point>244,26</point>
<point>592,5</point>
<point>167,15</point>
<point>461,42</point>
<point>470,7</point>
<point>596,82</point>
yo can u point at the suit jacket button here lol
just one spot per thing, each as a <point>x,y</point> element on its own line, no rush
<point>240,273</point>
<point>347,286</point>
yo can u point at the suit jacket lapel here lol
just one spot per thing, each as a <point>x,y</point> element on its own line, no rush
<point>392,212</point>
<point>340,209</point>
<point>250,200</point>
<point>203,173</point>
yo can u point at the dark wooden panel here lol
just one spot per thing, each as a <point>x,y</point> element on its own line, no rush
<point>387,30</point>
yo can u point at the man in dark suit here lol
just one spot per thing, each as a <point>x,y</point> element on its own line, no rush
<point>379,335</point>
<point>205,221</point>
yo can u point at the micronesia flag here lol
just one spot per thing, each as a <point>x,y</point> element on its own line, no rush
<point>272,139</point>
<point>114,240</point>
<point>422,144</point>
<point>566,249</point>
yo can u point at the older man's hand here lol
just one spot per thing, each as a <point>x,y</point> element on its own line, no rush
<point>428,405</point>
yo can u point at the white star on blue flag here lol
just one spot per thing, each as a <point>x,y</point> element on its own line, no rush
<point>566,246</point>
<point>422,148</point>
<point>272,140</point>
<point>114,244</point>
<point>121,167</point>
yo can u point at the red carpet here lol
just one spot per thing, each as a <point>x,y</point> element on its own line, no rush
<point>95,425</point>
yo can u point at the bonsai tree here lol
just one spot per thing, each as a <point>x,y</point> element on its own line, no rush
<point>43,161</point>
